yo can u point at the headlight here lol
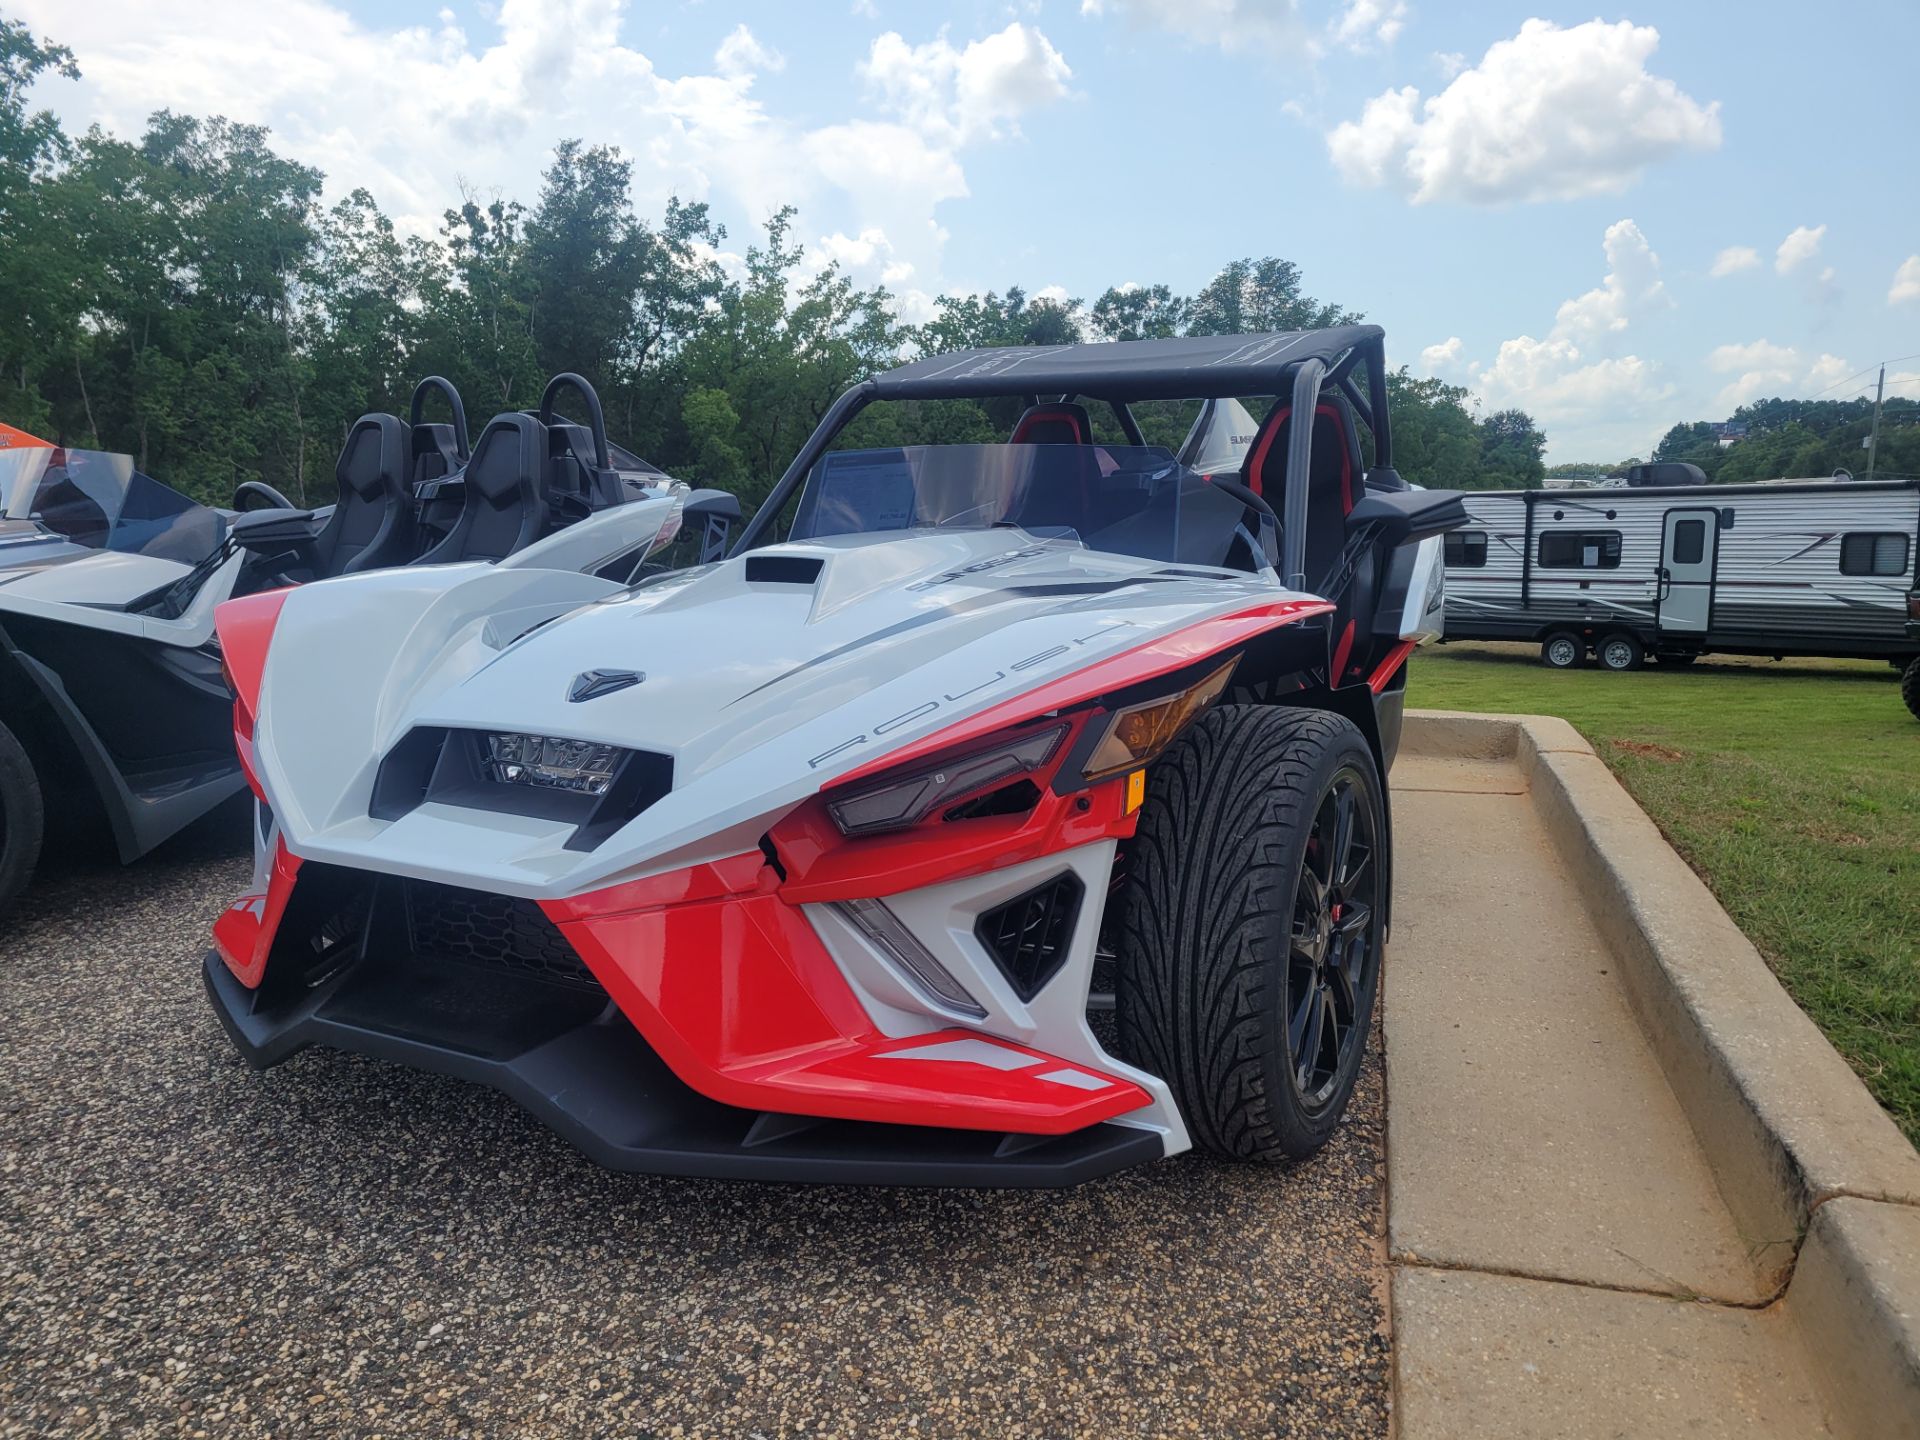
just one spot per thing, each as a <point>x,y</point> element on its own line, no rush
<point>549,763</point>
<point>1138,733</point>
<point>906,799</point>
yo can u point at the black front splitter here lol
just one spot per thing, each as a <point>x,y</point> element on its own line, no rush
<point>573,1061</point>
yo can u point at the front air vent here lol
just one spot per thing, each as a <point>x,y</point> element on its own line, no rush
<point>496,932</point>
<point>784,569</point>
<point>1029,936</point>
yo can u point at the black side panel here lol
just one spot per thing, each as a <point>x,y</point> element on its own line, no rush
<point>152,724</point>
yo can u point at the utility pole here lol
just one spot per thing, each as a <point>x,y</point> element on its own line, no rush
<point>1873,440</point>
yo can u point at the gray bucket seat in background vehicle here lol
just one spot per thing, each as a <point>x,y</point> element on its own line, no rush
<point>503,507</point>
<point>372,523</point>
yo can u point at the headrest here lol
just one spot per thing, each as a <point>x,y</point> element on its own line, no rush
<point>1336,447</point>
<point>375,457</point>
<point>1052,425</point>
<point>508,456</point>
<point>434,451</point>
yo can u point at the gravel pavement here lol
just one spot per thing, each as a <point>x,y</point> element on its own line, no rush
<point>340,1247</point>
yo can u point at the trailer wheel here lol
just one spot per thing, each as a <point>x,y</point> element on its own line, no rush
<point>22,818</point>
<point>1250,927</point>
<point>1562,650</point>
<point>1910,686</point>
<point>1620,651</point>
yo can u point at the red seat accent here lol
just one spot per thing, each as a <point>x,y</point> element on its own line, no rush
<point>1337,438</point>
<point>1052,425</point>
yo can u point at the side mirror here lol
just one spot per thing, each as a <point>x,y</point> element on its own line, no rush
<point>1405,516</point>
<point>713,505</point>
<point>259,530</point>
<point>717,512</point>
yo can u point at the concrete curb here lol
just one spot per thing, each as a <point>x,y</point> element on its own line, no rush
<point>1785,1124</point>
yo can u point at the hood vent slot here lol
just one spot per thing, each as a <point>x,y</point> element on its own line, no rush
<point>784,569</point>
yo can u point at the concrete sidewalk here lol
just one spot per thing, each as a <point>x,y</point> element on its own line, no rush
<point>1568,1258</point>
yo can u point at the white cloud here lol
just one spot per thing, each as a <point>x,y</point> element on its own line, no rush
<point>866,255</point>
<point>741,54</point>
<point>1058,294</point>
<point>1734,259</point>
<point>864,9</point>
<point>1445,358</point>
<point>1632,283</point>
<point>1761,369</point>
<point>979,91</point>
<point>416,113</point>
<point>1906,282</point>
<point>1449,63</point>
<point>1271,25</point>
<point>1552,380</point>
<point>1591,401</point>
<point>1759,354</point>
<point>1551,114</point>
<point>1362,24</point>
<point>1798,248</point>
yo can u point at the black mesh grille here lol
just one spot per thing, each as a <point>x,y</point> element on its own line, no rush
<point>445,922</point>
<point>1028,936</point>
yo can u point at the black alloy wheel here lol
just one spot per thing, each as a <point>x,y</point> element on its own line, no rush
<point>1334,951</point>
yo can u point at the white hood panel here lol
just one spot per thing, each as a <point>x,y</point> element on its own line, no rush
<point>761,691</point>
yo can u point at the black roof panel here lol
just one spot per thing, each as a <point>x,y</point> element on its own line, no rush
<point>1187,367</point>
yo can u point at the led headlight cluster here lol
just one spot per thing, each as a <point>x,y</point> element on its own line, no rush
<point>909,798</point>
<point>583,767</point>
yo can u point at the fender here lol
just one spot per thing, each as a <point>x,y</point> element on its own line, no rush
<point>58,733</point>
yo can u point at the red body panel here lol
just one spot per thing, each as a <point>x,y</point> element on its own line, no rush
<point>737,994</point>
<point>244,932</point>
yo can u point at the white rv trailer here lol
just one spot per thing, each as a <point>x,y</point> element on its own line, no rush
<point>1808,568</point>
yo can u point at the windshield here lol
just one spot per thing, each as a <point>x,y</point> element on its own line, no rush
<point>99,501</point>
<point>1131,500</point>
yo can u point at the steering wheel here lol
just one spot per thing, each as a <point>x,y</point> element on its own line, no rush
<point>1254,502</point>
<point>258,495</point>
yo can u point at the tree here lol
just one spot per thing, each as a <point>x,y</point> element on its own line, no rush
<point>585,255</point>
<point>1139,312</point>
<point>1250,296</point>
<point>1511,451</point>
<point>37,272</point>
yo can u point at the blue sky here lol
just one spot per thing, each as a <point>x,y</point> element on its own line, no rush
<point>1533,201</point>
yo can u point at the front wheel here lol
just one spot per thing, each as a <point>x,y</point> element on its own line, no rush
<point>1910,686</point>
<point>1620,651</point>
<point>22,818</point>
<point>1250,926</point>
<point>1562,650</point>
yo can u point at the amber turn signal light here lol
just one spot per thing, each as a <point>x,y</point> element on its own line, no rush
<point>1138,733</point>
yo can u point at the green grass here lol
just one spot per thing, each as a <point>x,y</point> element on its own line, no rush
<point>1792,788</point>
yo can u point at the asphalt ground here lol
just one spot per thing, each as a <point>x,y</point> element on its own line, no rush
<point>342,1247</point>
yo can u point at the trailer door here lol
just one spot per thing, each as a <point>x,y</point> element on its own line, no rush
<point>1686,570</point>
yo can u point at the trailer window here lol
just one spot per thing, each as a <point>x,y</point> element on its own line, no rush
<point>1689,542</point>
<point>1867,553</point>
<point>1580,550</point>
<point>1466,549</point>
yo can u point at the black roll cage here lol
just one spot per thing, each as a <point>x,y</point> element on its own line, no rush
<point>1302,380</point>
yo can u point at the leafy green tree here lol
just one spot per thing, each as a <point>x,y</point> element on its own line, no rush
<point>1139,312</point>
<point>1435,441</point>
<point>1511,451</point>
<point>37,272</point>
<point>1250,296</point>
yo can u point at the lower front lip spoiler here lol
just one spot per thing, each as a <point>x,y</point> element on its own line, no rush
<point>568,1057</point>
